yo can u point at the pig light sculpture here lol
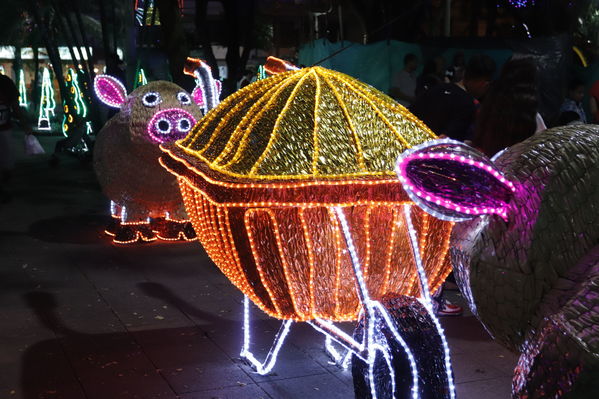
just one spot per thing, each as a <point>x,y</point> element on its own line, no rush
<point>526,255</point>
<point>146,203</point>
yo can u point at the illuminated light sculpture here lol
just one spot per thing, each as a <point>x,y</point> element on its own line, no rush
<point>276,65</point>
<point>141,78</point>
<point>69,113</point>
<point>47,102</point>
<point>207,91</point>
<point>261,73</point>
<point>146,203</point>
<point>290,186</point>
<point>530,272</point>
<point>22,90</point>
<point>79,100</point>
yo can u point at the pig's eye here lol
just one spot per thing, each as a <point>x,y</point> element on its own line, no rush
<point>151,99</point>
<point>183,98</point>
<point>184,125</point>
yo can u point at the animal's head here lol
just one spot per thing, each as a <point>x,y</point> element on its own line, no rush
<point>527,220</point>
<point>158,112</point>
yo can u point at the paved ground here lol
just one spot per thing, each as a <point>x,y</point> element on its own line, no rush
<point>82,318</point>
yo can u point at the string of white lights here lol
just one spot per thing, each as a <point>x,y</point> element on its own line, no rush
<point>426,298</point>
<point>372,309</point>
<point>265,367</point>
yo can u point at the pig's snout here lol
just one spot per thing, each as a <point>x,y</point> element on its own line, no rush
<point>170,124</point>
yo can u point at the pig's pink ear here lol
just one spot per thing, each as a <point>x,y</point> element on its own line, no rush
<point>110,91</point>
<point>198,96</point>
<point>453,181</point>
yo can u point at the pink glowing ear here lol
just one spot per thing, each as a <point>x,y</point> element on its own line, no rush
<point>219,87</point>
<point>198,96</point>
<point>110,91</point>
<point>453,181</point>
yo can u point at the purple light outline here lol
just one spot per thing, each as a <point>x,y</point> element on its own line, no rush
<point>107,96</point>
<point>405,158</point>
<point>163,115</point>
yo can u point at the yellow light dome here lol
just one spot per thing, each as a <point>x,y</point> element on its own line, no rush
<point>312,123</point>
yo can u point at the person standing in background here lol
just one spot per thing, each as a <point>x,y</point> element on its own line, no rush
<point>509,112</point>
<point>573,101</point>
<point>594,103</point>
<point>403,87</point>
<point>432,75</point>
<point>449,109</point>
<point>9,108</point>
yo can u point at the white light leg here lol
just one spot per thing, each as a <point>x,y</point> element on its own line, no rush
<point>265,367</point>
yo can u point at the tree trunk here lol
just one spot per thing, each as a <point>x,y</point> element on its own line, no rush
<point>88,52</point>
<point>232,41</point>
<point>104,24</point>
<point>17,65</point>
<point>52,50</point>
<point>78,43</point>
<point>114,25</point>
<point>175,43</point>
<point>204,36</point>
<point>65,33</point>
<point>239,17</point>
<point>35,93</point>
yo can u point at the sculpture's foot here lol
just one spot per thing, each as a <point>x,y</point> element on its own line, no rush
<point>173,230</point>
<point>555,365</point>
<point>414,367</point>
<point>113,226</point>
<point>130,233</point>
<point>560,359</point>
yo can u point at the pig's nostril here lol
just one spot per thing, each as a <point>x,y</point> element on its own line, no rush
<point>163,126</point>
<point>184,125</point>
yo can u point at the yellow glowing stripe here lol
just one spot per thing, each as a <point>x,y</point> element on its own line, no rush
<point>263,277</point>
<point>216,112</point>
<point>236,276</point>
<point>581,56</point>
<point>243,283</point>
<point>240,98</point>
<point>390,248</point>
<point>310,258</point>
<point>274,134</point>
<point>422,243</point>
<point>246,124</point>
<point>222,242</point>
<point>290,282</point>
<point>338,249</point>
<point>264,204</point>
<point>370,102</point>
<point>231,140</point>
<point>255,118</point>
<point>359,153</point>
<point>389,173</point>
<point>315,137</point>
<point>275,186</point>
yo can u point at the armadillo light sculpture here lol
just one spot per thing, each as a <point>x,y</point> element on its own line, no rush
<point>272,177</point>
<point>146,203</point>
<point>526,254</point>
